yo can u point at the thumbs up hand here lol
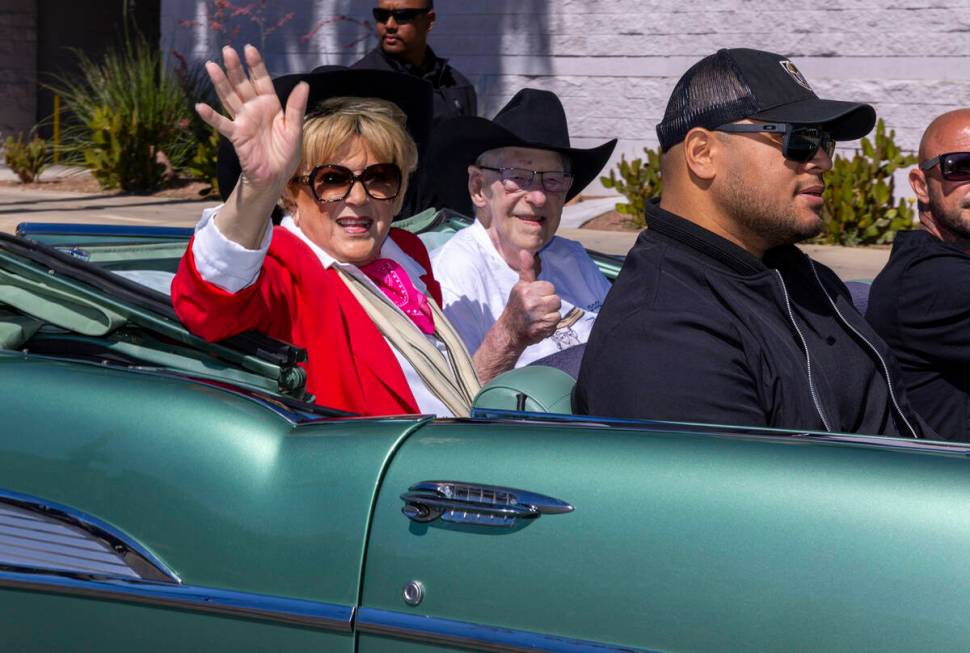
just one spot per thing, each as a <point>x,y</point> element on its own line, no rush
<point>532,311</point>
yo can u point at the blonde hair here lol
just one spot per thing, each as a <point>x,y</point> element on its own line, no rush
<point>378,123</point>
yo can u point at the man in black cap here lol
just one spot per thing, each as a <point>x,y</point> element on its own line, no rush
<point>513,290</point>
<point>920,302</point>
<point>402,29</point>
<point>716,317</point>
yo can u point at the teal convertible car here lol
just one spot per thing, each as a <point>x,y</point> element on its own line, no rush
<point>158,492</point>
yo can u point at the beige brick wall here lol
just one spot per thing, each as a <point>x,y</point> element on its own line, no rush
<point>18,56</point>
<point>614,62</point>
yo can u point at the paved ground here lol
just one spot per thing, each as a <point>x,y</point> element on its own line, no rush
<point>574,215</point>
<point>19,205</point>
<point>848,262</point>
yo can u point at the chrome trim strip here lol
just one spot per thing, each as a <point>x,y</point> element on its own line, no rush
<point>474,636</point>
<point>325,616</point>
<point>498,415</point>
<point>28,229</point>
<point>136,557</point>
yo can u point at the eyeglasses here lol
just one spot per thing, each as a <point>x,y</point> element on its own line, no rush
<point>330,182</point>
<point>954,166</point>
<point>518,179</point>
<point>801,144</point>
<point>399,15</point>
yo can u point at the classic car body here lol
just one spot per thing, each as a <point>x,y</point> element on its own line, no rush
<point>162,493</point>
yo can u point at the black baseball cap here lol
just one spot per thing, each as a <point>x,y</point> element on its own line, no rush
<point>739,83</point>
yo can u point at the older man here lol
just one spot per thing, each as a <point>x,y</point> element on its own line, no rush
<point>920,302</point>
<point>514,290</point>
<point>716,317</point>
<point>402,29</point>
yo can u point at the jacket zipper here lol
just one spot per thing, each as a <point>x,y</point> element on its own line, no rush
<point>808,357</point>
<point>885,368</point>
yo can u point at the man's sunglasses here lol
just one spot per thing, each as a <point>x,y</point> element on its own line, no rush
<point>330,182</point>
<point>954,166</point>
<point>801,144</point>
<point>399,15</point>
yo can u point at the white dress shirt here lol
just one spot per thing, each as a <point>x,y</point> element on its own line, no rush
<point>476,282</point>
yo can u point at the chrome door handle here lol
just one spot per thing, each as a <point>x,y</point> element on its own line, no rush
<point>472,503</point>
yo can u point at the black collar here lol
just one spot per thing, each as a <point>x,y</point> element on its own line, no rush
<point>703,241</point>
<point>432,70</point>
<point>921,238</point>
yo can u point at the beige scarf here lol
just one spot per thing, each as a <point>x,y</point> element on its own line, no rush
<point>454,383</point>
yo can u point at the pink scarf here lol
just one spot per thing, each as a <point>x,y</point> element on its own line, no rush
<point>394,282</point>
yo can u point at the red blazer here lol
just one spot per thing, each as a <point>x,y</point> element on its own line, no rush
<point>349,364</point>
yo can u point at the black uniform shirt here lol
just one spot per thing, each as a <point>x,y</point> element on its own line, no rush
<point>454,95</point>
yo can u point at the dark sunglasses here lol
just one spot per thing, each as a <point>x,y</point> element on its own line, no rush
<point>801,144</point>
<point>399,15</point>
<point>954,166</point>
<point>330,182</point>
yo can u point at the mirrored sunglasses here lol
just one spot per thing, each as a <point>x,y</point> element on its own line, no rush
<point>954,166</point>
<point>399,15</point>
<point>518,179</point>
<point>330,182</point>
<point>801,142</point>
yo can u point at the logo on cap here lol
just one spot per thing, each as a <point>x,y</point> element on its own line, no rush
<point>796,74</point>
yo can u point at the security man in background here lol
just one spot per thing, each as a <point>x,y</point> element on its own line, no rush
<point>402,29</point>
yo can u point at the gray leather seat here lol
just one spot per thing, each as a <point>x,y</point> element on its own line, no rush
<point>534,389</point>
<point>859,290</point>
<point>567,360</point>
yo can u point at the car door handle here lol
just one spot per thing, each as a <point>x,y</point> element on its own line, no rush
<point>473,503</point>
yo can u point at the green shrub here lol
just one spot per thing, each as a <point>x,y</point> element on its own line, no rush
<point>203,166</point>
<point>638,182</point>
<point>27,160</point>
<point>129,115</point>
<point>860,204</point>
<point>196,87</point>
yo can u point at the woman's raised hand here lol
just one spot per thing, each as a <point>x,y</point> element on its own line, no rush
<point>266,138</point>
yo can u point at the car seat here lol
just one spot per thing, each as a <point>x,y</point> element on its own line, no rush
<point>534,389</point>
<point>859,291</point>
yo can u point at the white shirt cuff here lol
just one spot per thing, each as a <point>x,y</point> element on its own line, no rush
<point>225,263</point>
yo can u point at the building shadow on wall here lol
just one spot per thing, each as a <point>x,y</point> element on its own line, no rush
<point>500,44</point>
<point>354,30</point>
<point>287,32</point>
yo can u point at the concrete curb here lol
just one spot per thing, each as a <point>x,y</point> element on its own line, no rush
<point>576,215</point>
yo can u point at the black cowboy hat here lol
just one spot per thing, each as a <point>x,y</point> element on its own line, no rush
<point>414,96</point>
<point>532,118</point>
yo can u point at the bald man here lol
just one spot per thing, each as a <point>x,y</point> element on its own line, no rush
<point>920,302</point>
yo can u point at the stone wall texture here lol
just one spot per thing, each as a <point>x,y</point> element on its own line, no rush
<point>18,58</point>
<point>614,62</point>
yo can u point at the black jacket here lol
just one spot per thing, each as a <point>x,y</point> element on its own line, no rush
<point>454,95</point>
<point>920,304</point>
<point>697,329</point>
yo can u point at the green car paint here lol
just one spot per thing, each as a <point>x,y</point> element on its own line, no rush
<point>683,537</point>
<point>226,492</point>
<point>687,541</point>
